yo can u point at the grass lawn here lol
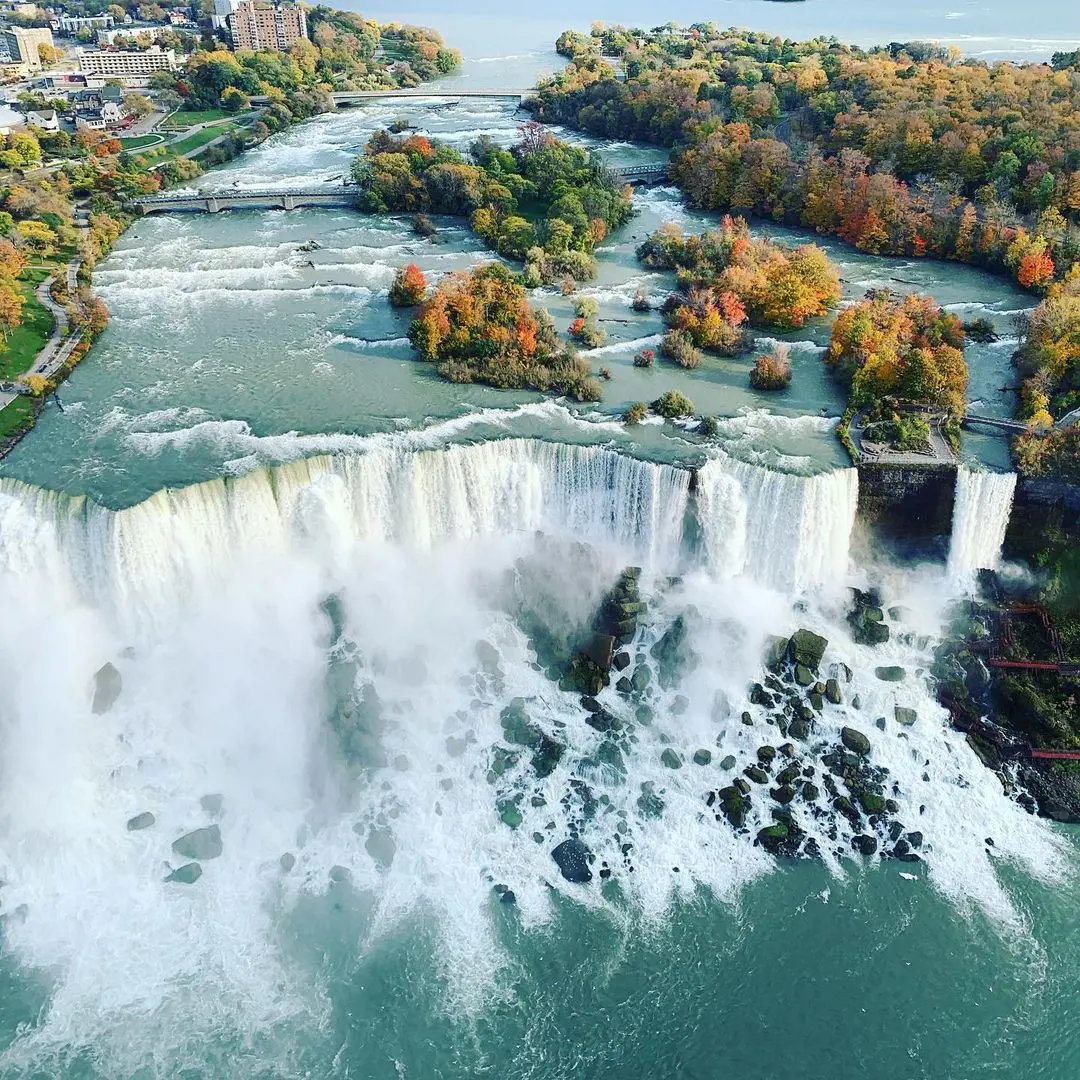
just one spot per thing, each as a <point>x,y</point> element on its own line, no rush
<point>27,340</point>
<point>182,119</point>
<point>139,140</point>
<point>200,138</point>
<point>17,416</point>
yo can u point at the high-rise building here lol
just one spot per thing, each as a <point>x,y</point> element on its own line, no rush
<point>22,45</point>
<point>258,25</point>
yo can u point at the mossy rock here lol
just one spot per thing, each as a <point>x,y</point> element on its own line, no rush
<point>905,716</point>
<point>807,648</point>
<point>832,692</point>
<point>671,759</point>
<point>783,794</point>
<point>728,762</point>
<point>757,774</point>
<point>855,741</point>
<point>510,815</point>
<point>803,675</point>
<point>891,673</point>
<point>766,754</point>
<point>702,757</point>
<point>810,792</point>
<point>871,803</point>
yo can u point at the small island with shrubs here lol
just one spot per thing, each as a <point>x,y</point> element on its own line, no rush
<point>542,202</point>
<point>477,327</point>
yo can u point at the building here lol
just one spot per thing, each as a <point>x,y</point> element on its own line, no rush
<point>22,45</point>
<point>222,10</point>
<point>47,120</point>
<point>132,67</point>
<point>258,25</point>
<point>72,24</point>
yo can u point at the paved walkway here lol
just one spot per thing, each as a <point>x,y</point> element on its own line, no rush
<point>939,452</point>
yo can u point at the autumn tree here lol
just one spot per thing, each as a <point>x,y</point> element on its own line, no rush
<point>409,286</point>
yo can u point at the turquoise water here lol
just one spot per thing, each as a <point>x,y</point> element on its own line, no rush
<point>313,458</point>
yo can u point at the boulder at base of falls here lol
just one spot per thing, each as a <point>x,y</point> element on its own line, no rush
<point>773,837</point>
<point>864,845</point>
<point>600,648</point>
<point>855,741</point>
<point>141,821</point>
<point>200,844</point>
<point>807,648</point>
<point>892,673</point>
<point>803,675</point>
<point>867,620</point>
<point>702,757</point>
<point>671,759</point>
<point>287,862</point>
<point>572,858</point>
<point>832,692</point>
<point>905,716</point>
<point>728,762</point>
<point>187,874</point>
<point>776,650</point>
<point>107,687</point>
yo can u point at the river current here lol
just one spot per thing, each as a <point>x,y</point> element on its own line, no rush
<point>314,567</point>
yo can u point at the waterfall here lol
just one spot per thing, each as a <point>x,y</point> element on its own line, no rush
<point>786,531</point>
<point>150,554</point>
<point>981,508</point>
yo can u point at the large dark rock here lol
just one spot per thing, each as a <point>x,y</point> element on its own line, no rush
<point>600,648</point>
<point>776,650</point>
<point>572,858</point>
<point>893,673</point>
<point>864,844</point>
<point>200,844</point>
<point>855,741</point>
<point>807,648</point>
<point>832,692</point>
<point>107,687</point>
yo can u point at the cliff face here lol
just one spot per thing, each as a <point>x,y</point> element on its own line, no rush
<point>909,502</point>
<point>1045,515</point>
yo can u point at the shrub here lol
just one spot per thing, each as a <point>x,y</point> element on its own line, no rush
<point>708,428</point>
<point>772,370</point>
<point>980,330</point>
<point>644,358</point>
<point>635,412</point>
<point>422,225</point>
<point>910,433</point>
<point>585,307</point>
<point>605,374</point>
<point>672,404</point>
<point>409,286</point>
<point>592,336</point>
<point>677,345</point>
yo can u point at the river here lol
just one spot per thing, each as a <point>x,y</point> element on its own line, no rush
<point>320,628</point>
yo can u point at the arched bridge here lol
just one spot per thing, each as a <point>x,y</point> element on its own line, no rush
<point>213,201</point>
<point>644,174</point>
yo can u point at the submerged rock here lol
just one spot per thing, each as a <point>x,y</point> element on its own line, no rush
<point>187,874</point>
<point>107,687</point>
<point>905,716</point>
<point>380,846</point>
<point>855,741</point>
<point>200,844</point>
<point>141,821</point>
<point>287,861</point>
<point>893,673</point>
<point>572,858</point>
<point>212,804</point>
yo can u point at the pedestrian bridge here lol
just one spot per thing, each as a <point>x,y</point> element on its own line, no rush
<point>212,201</point>
<point>439,93</point>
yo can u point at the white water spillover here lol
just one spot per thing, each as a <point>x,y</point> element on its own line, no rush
<point>790,532</point>
<point>981,509</point>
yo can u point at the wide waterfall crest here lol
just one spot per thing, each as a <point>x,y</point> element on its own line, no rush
<point>153,553</point>
<point>981,508</point>
<point>786,531</point>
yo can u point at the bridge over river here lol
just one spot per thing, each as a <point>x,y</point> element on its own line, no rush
<point>437,93</point>
<point>344,194</point>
